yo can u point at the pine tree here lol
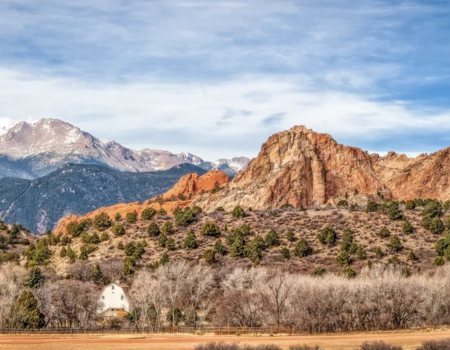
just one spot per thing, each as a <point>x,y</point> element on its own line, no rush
<point>35,279</point>
<point>71,255</point>
<point>190,241</point>
<point>164,259</point>
<point>27,313</point>
<point>395,245</point>
<point>219,248</point>
<point>63,252</point>
<point>302,249</point>
<point>98,276</point>
<point>272,239</point>
<point>407,227</point>
<point>153,230</point>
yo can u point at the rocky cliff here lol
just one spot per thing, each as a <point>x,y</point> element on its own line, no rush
<point>303,168</point>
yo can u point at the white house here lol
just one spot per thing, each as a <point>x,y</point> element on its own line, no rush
<point>114,300</point>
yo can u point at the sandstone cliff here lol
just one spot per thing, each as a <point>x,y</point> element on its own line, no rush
<point>303,168</point>
<point>189,186</point>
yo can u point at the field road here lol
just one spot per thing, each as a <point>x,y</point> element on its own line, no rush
<point>408,339</point>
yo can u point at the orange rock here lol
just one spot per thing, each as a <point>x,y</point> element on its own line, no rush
<point>304,168</point>
<point>188,186</point>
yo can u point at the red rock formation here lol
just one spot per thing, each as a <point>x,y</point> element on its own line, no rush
<point>301,167</point>
<point>188,186</point>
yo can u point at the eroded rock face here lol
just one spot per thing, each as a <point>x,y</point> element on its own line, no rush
<point>303,168</point>
<point>189,186</point>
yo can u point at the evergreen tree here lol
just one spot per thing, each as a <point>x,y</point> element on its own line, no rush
<point>219,248</point>
<point>238,212</point>
<point>167,228</point>
<point>102,222</point>
<point>27,313</point>
<point>347,240</point>
<point>272,239</point>
<point>164,259</point>
<point>393,211</point>
<point>209,256</point>
<point>148,214</point>
<point>131,217</point>
<point>118,230</point>
<point>285,253</point>
<point>170,244</point>
<point>302,249</point>
<point>254,249</point>
<point>162,239</point>
<point>98,276</point>
<point>71,255</point>
<point>128,264</point>
<point>104,237</point>
<point>343,258</point>
<point>118,217</point>
<point>349,272</point>
<point>410,205</point>
<point>395,245</point>
<point>35,278</point>
<point>361,253</point>
<point>436,226</point>
<point>210,229</point>
<point>153,230</point>
<point>95,239</point>
<point>290,236</point>
<point>190,241</point>
<point>327,236</point>
<point>384,232</point>
<point>63,252</point>
<point>130,248</point>
<point>407,227</point>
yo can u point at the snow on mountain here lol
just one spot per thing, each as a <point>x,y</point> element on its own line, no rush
<point>41,147</point>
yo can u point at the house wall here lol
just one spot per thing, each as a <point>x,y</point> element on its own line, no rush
<point>113,297</point>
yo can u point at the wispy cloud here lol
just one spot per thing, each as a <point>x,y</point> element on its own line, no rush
<point>222,75</point>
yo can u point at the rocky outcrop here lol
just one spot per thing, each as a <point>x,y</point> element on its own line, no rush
<point>180,195</point>
<point>304,168</point>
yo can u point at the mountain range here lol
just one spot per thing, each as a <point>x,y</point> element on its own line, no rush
<point>78,189</point>
<point>32,150</point>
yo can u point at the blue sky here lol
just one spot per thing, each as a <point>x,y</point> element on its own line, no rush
<point>217,77</point>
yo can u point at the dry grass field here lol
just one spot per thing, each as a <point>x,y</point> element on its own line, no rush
<point>407,339</point>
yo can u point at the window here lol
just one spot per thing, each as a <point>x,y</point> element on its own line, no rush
<point>112,287</point>
<point>103,297</point>
<point>121,297</point>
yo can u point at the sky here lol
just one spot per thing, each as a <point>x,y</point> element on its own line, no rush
<point>217,77</point>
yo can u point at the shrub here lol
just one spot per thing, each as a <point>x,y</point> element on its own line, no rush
<point>393,211</point>
<point>185,218</point>
<point>384,232</point>
<point>272,239</point>
<point>446,205</point>
<point>442,245</point>
<point>412,256</point>
<point>210,229</point>
<point>238,212</point>
<point>209,256</point>
<point>433,209</point>
<point>131,217</point>
<point>302,248</point>
<point>130,248</point>
<point>361,253</point>
<point>162,239</point>
<point>327,236</point>
<point>347,240</point>
<point>161,212</point>
<point>443,344</point>
<point>378,345</point>
<point>220,209</point>
<point>74,229</point>
<point>197,210</point>
<point>285,253</point>
<point>219,248</point>
<point>148,214</point>
<point>63,252</point>
<point>164,259</point>
<point>217,346</point>
<point>254,249</point>
<point>304,347</point>
<point>343,258</point>
<point>342,204</point>
<point>447,222</point>
<point>170,244</point>
<point>290,236</point>
<point>128,264</point>
<point>410,205</point>
<point>190,241</point>
<point>118,217</point>
<point>167,228</point>
<point>71,255</point>
<point>436,226</point>
<point>102,222</point>
<point>318,271</point>
<point>95,239</point>
<point>104,237</point>
<point>118,230</point>
<point>439,261</point>
<point>120,246</point>
<point>349,272</point>
<point>237,247</point>
<point>395,245</point>
<point>372,207</point>
<point>426,221</point>
<point>407,227</point>
<point>153,230</point>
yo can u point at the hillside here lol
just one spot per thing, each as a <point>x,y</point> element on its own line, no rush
<point>305,225</point>
<point>32,150</point>
<point>303,168</point>
<point>78,189</point>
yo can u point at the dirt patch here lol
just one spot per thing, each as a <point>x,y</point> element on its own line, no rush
<point>408,339</point>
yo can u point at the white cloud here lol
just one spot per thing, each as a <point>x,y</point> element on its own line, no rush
<point>216,112</point>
